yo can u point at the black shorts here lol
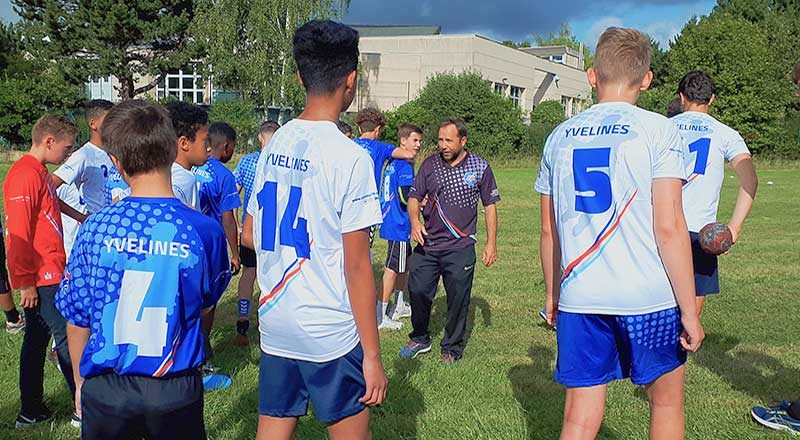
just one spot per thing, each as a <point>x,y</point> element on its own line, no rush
<point>5,286</point>
<point>133,407</point>
<point>247,256</point>
<point>706,269</point>
<point>397,256</point>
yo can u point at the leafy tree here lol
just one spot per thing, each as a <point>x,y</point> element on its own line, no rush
<point>516,44</point>
<point>249,45</point>
<point>241,115</point>
<point>658,63</point>
<point>548,112</point>
<point>129,40</point>
<point>565,37</point>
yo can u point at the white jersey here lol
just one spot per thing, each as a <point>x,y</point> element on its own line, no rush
<point>87,169</point>
<point>70,195</point>
<point>185,186</point>
<point>312,185</point>
<point>710,144</point>
<point>599,168</point>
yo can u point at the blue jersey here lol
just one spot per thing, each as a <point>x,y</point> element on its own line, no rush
<point>139,275</point>
<point>218,191</point>
<point>115,188</point>
<point>396,225</point>
<point>380,152</point>
<point>245,174</point>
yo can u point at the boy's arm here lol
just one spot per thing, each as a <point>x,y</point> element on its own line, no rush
<point>247,231</point>
<point>77,338</point>
<point>748,185</point>
<point>672,238</point>
<point>71,212</point>
<point>361,289</point>
<point>402,153</point>
<point>232,235</point>
<point>550,255</point>
<point>22,203</point>
<point>490,250</point>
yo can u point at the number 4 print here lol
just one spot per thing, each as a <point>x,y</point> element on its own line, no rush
<point>144,327</point>
<point>290,235</point>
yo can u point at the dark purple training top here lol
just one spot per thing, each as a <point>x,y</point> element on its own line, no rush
<point>451,214</point>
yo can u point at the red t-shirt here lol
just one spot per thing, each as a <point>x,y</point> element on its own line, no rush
<point>34,238</point>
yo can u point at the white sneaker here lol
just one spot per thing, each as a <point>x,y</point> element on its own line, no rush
<point>401,310</point>
<point>16,327</point>
<point>390,324</point>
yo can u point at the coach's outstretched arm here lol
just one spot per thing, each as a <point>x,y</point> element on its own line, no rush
<point>550,255</point>
<point>748,185</point>
<point>669,226</point>
<point>361,290</point>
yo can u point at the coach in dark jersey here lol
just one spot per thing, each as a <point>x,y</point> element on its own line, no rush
<point>452,180</point>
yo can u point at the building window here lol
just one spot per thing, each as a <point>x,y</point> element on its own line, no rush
<point>184,85</point>
<point>100,88</point>
<point>516,95</point>
<point>557,58</point>
<point>500,89</point>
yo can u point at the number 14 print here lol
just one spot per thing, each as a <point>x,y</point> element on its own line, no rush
<point>290,235</point>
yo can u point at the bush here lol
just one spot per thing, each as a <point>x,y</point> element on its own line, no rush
<point>656,100</point>
<point>242,116</point>
<point>495,123</point>
<point>548,113</point>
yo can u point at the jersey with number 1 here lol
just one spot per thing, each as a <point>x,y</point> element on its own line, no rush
<point>312,186</point>
<point>139,275</point>
<point>599,168</point>
<point>710,144</point>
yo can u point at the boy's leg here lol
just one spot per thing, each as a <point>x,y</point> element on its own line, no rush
<point>245,294</point>
<point>706,272</point>
<point>283,397</point>
<point>355,427</point>
<point>31,363</point>
<point>583,412</point>
<point>389,278</point>
<point>423,281</point>
<point>277,428</point>
<point>666,405</point>
<point>458,270</point>
<point>58,328</point>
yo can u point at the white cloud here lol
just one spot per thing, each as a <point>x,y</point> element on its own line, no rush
<point>426,9</point>
<point>594,32</point>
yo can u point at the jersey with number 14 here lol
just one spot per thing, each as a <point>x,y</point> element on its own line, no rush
<point>710,144</point>
<point>312,185</point>
<point>140,272</point>
<point>599,168</point>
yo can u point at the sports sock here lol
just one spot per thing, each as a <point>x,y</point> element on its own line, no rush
<point>399,297</point>
<point>12,315</point>
<point>794,410</point>
<point>384,307</point>
<point>244,308</point>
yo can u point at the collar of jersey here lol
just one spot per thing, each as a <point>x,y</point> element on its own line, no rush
<point>154,200</point>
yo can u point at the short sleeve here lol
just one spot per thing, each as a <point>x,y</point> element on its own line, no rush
<point>670,154</point>
<point>488,188</point>
<point>72,169</point>
<point>238,178</point>
<point>406,175</point>
<point>385,153</point>
<point>544,181</point>
<point>217,272</point>
<point>228,193</point>
<point>420,187</point>
<point>252,204</point>
<point>360,207</point>
<point>75,286</point>
<point>735,146</point>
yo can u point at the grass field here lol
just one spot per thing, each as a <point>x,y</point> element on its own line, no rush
<point>503,388</point>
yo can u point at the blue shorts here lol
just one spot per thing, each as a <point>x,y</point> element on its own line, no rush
<point>597,349</point>
<point>706,273</point>
<point>334,387</point>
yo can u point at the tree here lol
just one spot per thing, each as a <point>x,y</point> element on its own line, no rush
<point>565,37</point>
<point>129,40</point>
<point>548,112</point>
<point>516,44</point>
<point>658,63</point>
<point>249,45</point>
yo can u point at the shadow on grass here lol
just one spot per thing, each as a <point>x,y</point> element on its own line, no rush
<point>541,398</point>
<point>398,416</point>
<point>748,371</point>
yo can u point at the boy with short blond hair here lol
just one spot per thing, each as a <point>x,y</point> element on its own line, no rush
<point>615,253</point>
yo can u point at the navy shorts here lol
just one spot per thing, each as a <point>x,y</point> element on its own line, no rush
<point>706,270</point>
<point>287,385</point>
<point>597,349</point>
<point>397,255</point>
<point>247,256</point>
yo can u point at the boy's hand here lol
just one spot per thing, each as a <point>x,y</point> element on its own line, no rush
<point>29,297</point>
<point>418,232</point>
<point>236,265</point>
<point>376,381</point>
<point>551,310</point>
<point>489,254</point>
<point>693,333</point>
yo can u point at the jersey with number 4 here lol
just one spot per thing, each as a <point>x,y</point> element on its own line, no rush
<point>710,144</point>
<point>312,186</point>
<point>139,275</point>
<point>599,168</point>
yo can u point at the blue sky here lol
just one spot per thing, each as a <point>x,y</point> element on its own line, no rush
<point>520,19</point>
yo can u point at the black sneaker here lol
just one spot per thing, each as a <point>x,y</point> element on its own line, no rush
<point>24,421</point>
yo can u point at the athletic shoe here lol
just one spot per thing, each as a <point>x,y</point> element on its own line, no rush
<point>449,358</point>
<point>389,324</point>
<point>242,326</point>
<point>75,421</point>
<point>16,327</point>
<point>53,356</point>
<point>24,421</point>
<point>543,315</point>
<point>213,382</point>
<point>401,310</point>
<point>208,369</point>
<point>776,417</point>
<point>414,349</point>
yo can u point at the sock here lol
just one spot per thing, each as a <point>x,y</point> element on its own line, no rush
<point>244,308</point>
<point>12,315</point>
<point>794,410</point>
<point>384,307</point>
<point>399,297</point>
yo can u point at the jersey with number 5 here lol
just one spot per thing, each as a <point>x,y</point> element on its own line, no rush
<point>312,185</point>
<point>599,168</point>
<point>140,272</point>
<point>710,144</point>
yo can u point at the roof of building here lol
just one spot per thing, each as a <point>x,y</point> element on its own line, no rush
<point>368,30</point>
<point>550,50</point>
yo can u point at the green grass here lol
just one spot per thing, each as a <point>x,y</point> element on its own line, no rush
<point>503,388</point>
